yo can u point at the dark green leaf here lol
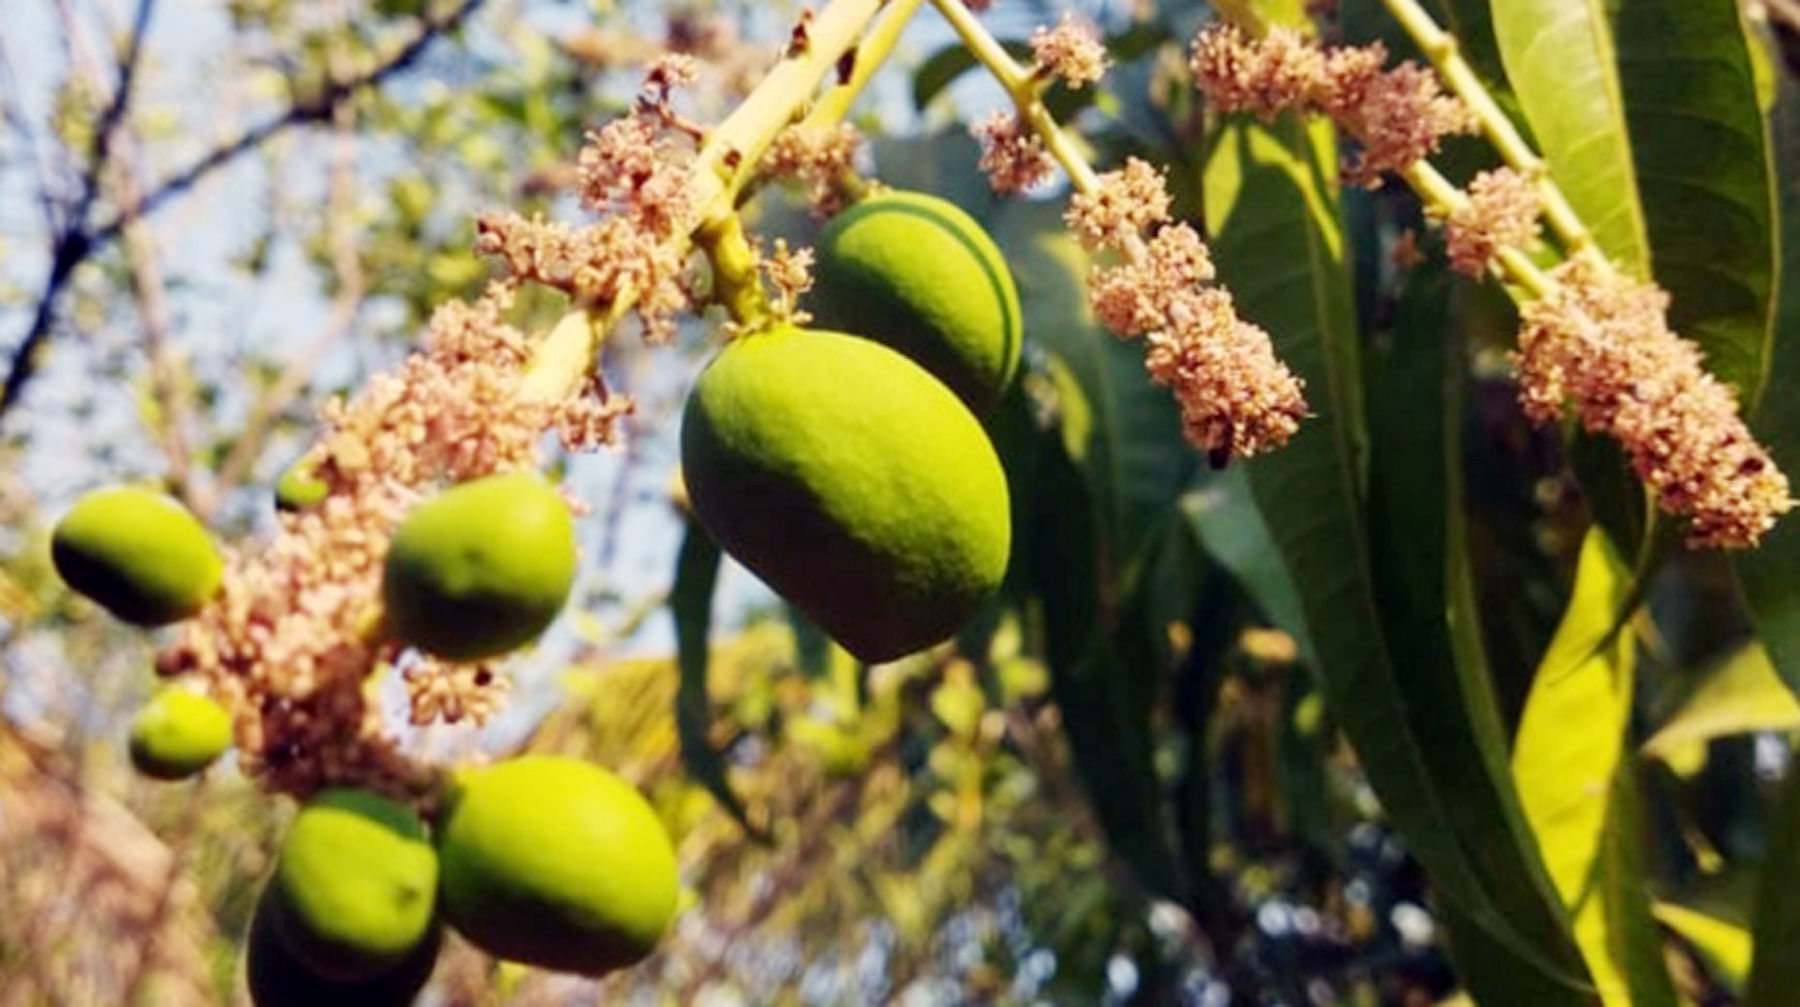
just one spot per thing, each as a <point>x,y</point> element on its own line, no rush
<point>1123,431</point>
<point>1775,930</point>
<point>1702,162</point>
<point>1106,697</point>
<point>1272,206</point>
<point>690,600</point>
<point>1767,574</point>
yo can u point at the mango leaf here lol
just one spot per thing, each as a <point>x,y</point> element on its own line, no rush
<point>1105,699</point>
<point>1559,57</point>
<point>690,601</point>
<point>1766,574</point>
<point>1699,145</point>
<point>1775,926</point>
<point>1234,534</point>
<point>1271,206</point>
<point>1577,791</point>
<point>1122,431</point>
<point>1742,694</point>
<point>1725,945</point>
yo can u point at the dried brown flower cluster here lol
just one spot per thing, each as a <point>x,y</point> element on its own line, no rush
<point>632,172</point>
<point>1602,339</point>
<point>1501,212</point>
<point>823,159</point>
<point>293,642</point>
<point>1236,397</point>
<point>1397,116</point>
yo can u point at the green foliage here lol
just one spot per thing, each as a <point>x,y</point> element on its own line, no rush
<point>1700,157</point>
<point>1429,742</point>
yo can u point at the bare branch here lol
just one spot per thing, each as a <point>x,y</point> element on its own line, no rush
<point>79,241</point>
<point>73,244</point>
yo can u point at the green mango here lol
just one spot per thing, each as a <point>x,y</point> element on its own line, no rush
<point>355,886</point>
<point>557,863</point>
<point>852,482</point>
<point>138,553</point>
<point>177,734</point>
<point>300,487</point>
<point>278,979</point>
<point>915,272</point>
<point>482,568</point>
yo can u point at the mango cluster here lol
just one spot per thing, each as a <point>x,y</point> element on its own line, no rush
<point>544,860</point>
<point>849,469</point>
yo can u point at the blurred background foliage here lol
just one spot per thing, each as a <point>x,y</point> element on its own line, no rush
<point>1136,779</point>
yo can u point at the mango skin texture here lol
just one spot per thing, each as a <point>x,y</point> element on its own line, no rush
<point>300,488</point>
<point>915,272</point>
<point>557,863</point>
<point>482,568</point>
<point>852,482</point>
<point>355,888</point>
<point>277,979</point>
<point>138,553</point>
<point>177,734</point>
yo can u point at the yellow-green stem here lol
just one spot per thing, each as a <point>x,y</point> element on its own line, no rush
<point>562,359</point>
<point>1440,47</point>
<point>736,282</point>
<point>871,53</point>
<point>1025,89</point>
<point>1442,198</point>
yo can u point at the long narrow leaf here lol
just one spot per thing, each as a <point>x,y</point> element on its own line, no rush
<point>1272,207</point>
<point>1559,57</point>
<point>690,600</point>
<point>1775,931</point>
<point>1770,587</point>
<point>1700,150</point>
<point>1575,785</point>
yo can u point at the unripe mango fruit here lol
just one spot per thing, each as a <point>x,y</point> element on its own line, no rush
<point>300,487</point>
<point>555,862</point>
<point>138,553</point>
<point>852,482</point>
<point>177,734</point>
<point>481,568</point>
<point>915,272</point>
<point>278,979</point>
<point>355,888</point>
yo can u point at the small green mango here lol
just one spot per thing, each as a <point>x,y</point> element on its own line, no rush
<point>177,734</point>
<point>557,863</point>
<point>852,482</point>
<point>138,553</point>
<point>482,568</point>
<point>355,888</point>
<point>915,272</point>
<point>278,979</point>
<point>300,487</point>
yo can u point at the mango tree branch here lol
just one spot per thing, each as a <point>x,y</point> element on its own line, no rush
<point>1025,89</point>
<point>720,170</point>
<point>1440,47</point>
<point>79,240</point>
